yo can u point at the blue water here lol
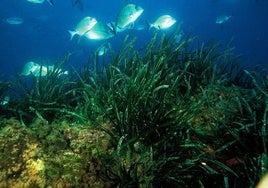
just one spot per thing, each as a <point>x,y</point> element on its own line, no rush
<point>44,34</point>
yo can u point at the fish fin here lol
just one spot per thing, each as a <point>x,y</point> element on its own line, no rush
<point>51,2</point>
<point>113,28</point>
<point>72,33</point>
<point>149,25</point>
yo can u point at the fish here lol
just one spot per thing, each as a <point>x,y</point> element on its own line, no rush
<point>14,20</point>
<point>29,68</point>
<point>36,1</point>
<point>101,50</point>
<point>5,101</point>
<point>127,15</point>
<point>139,27</point>
<point>100,31</point>
<point>86,24</point>
<point>41,1</point>
<point>78,4</point>
<point>178,37</point>
<point>34,69</point>
<point>163,22</point>
<point>129,27</point>
<point>222,19</point>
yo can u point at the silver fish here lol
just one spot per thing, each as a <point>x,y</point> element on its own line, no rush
<point>41,1</point>
<point>83,26</point>
<point>78,4</point>
<point>5,101</point>
<point>128,15</point>
<point>14,20</point>
<point>129,27</point>
<point>100,31</point>
<point>222,19</point>
<point>101,50</point>
<point>32,68</point>
<point>163,22</point>
<point>28,68</point>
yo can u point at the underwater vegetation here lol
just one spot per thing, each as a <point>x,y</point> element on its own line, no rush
<point>170,115</point>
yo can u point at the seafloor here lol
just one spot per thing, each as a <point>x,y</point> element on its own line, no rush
<point>177,114</point>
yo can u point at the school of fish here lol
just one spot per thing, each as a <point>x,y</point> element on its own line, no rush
<point>93,29</point>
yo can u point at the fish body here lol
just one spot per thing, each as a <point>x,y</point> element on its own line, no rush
<point>36,1</point>
<point>5,101</point>
<point>163,22</point>
<point>129,27</point>
<point>83,26</point>
<point>128,15</point>
<point>40,71</point>
<point>28,68</point>
<point>32,68</point>
<point>14,20</point>
<point>222,19</point>
<point>78,4</point>
<point>35,69</point>
<point>41,1</point>
<point>101,50</point>
<point>140,27</point>
<point>178,37</point>
<point>100,31</point>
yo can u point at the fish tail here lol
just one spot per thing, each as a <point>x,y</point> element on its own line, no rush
<point>72,33</point>
<point>149,25</point>
<point>113,28</point>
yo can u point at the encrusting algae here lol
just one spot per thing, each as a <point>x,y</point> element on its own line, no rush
<point>20,165</point>
<point>27,162</point>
